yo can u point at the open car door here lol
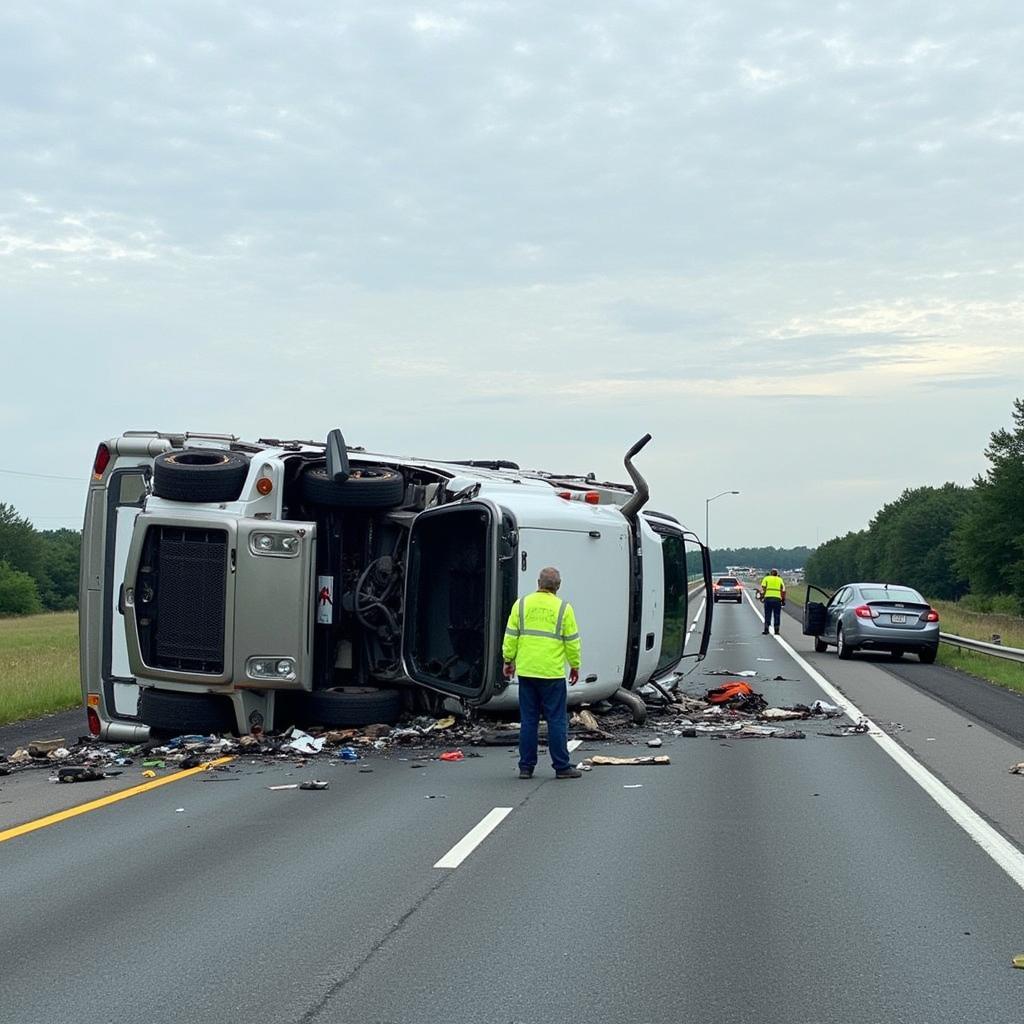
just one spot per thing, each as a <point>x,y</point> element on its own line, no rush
<point>815,612</point>
<point>454,610</point>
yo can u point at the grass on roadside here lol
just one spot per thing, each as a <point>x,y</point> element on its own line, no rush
<point>38,665</point>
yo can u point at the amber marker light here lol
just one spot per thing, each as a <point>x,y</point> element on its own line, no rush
<point>264,485</point>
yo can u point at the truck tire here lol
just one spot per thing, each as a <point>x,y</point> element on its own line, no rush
<point>350,706</point>
<point>369,487</point>
<point>199,475</point>
<point>170,713</point>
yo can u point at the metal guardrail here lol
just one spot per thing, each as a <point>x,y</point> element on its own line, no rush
<point>983,647</point>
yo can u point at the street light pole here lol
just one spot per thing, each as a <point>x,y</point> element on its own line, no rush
<point>707,505</point>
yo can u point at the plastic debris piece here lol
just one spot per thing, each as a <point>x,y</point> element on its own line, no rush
<point>452,755</point>
<point>149,774</point>
<point>822,707</point>
<point>602,759</point>
<point>636,785</point>
<point>781,714</point>
<point>656,742</point>
<point>293,785</point>
<point>1017,769</point>
<point>43,748</point>
<point>792,734</point>
<point>154,764</point>
<point>584,767</point>
<point>1018,960</point>
<point>179,810</point>
<point>314,784</point>
<point>303,743</point>
<point>443,723</point>
<point>379,730</point>
<point>348,754</point>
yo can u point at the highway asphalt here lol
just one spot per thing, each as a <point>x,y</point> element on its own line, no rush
<point>778,881</point>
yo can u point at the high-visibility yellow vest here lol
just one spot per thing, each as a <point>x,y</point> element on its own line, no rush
<point>541,636</point>
<point>772,586</point>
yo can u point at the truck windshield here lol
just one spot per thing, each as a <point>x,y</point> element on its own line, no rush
<point>673,633</point>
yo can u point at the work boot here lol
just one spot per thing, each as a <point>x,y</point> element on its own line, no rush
<point>776,632</point>
<point>569,773</point>
<point>525,773</point>
<point>764,632</point>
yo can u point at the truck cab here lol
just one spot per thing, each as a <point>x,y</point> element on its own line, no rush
<point>231,585</point>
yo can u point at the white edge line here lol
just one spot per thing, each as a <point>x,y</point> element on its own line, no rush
<point>996,845</point>
<point>693,625</point>
<point>473,838</point>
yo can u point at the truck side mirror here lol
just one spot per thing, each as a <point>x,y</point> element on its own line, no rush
<point>337,457</point>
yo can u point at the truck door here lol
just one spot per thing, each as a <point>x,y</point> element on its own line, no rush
<point>458,558</point>
<point>594,565</point>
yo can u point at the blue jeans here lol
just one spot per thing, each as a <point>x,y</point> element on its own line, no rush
<point>547,696</point>
<point>772,609</point>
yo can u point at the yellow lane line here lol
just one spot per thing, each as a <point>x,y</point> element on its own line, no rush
<point>103,801</point>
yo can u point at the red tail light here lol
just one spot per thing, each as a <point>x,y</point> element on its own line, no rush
<point>102,460</point>
<point>94,721</point>
<point>864,612</point>
<point>930,616</point>
<point>592,498</point>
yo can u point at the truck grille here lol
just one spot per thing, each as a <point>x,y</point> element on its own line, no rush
<point>180,594</point>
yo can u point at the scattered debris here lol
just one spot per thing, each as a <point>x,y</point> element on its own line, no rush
<point>600,759</point>
<point>635,785</point>
<point>452,755</point>
<point>293,785</point>
<point>1017,769</point>
<point>656,742</point>
<point>79,773</point>
<point>303,743</point>
<point>314,784</point>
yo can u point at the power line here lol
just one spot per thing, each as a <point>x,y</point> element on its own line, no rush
<point>42,476</point>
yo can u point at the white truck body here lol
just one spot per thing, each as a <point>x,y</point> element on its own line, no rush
<point>272,602</point>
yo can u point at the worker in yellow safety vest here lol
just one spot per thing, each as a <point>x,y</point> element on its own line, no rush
<point>540,638</point>
<point>773,592</point>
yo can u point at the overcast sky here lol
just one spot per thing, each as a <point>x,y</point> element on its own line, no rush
<point>785,238</point>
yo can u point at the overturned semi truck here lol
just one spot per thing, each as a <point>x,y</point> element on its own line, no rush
<point>229,585</point>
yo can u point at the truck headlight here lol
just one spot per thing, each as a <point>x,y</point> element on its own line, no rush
<point>270,668</point>
<point>281,545</point>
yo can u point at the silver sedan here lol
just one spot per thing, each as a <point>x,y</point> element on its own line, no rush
<point>873,616</point>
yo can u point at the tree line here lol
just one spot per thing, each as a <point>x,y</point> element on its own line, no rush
<point>950,542</point>
<point>764,558</point>
<point>38,568</point>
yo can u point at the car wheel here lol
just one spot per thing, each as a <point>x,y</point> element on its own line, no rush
<point>843,649</point>
<point>349,706</point>
<point>199,475</point>
<point>928,654</point>
<point>170,713</point>
<point>820,647</point>
<point>895,655</point>
<point>369,487</point>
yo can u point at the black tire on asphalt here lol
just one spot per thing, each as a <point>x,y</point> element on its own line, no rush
<point>369,487</point>
<point>820,647</point>
<point>195,474</point>
<point>928,654</point>
<point>170,713</point>
<point>843,650</point>
<point>896,655</point>
<point>349,706</point>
